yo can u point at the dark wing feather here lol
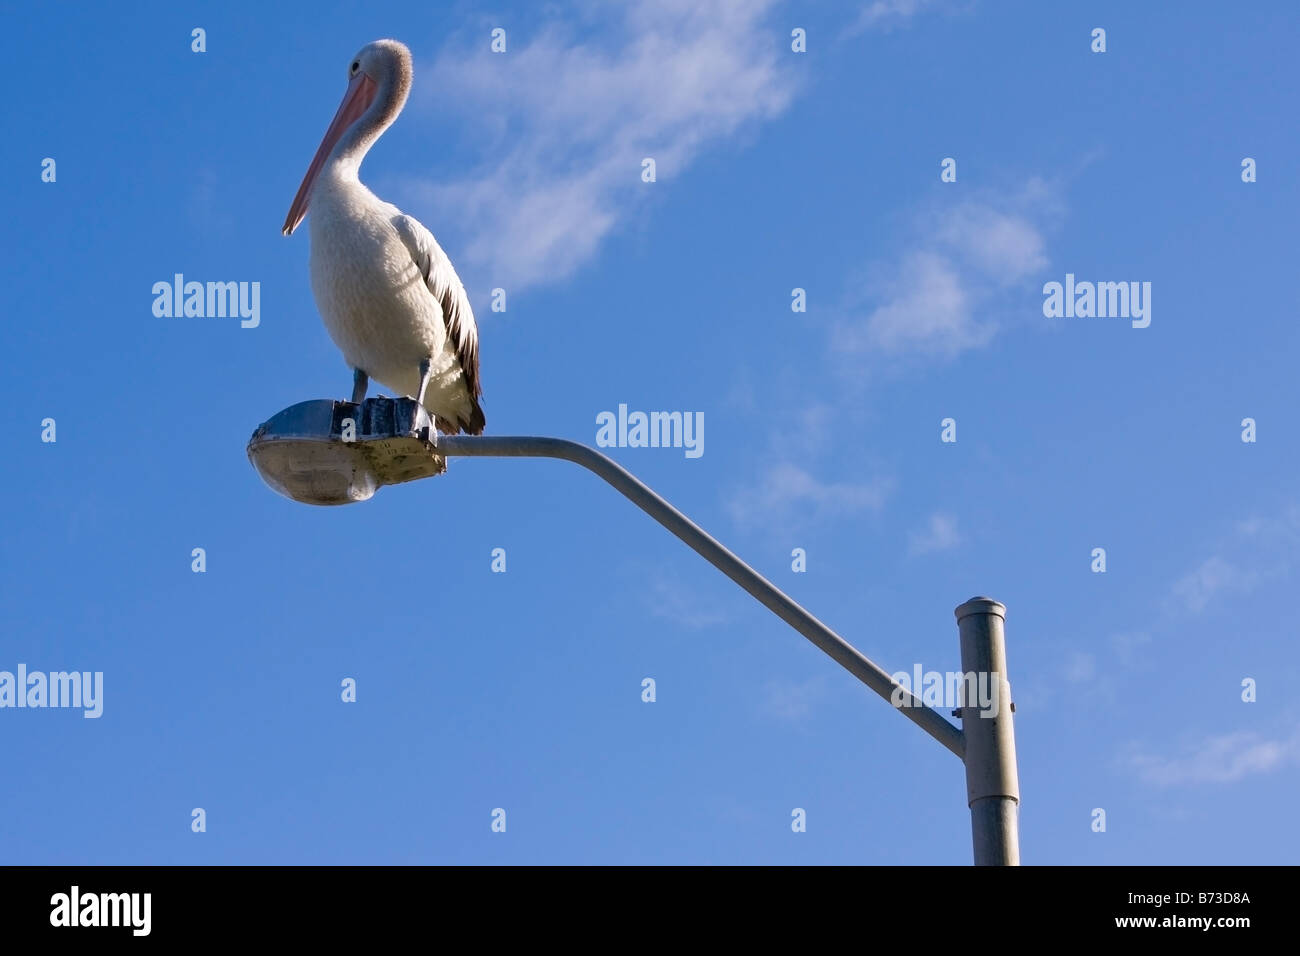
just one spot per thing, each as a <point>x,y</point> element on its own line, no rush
<point>446,287</point>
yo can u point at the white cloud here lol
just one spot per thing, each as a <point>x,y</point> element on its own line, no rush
<point>927,310</point>
<point>787,492</point>
<point>1261,551</point>
<point>1281,529</point>
<point>886,14</point>
<point>571,121</point>
<point>1215,576</point>
<point>1004,246</point>
<point>1224,758</point>
<point>963,255</point>
<point>939,534</point>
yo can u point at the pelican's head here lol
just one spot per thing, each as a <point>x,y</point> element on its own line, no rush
<point>379,80</point>
<point>381,61</point>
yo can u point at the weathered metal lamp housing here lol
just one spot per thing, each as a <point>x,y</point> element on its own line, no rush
<point>325,452</point>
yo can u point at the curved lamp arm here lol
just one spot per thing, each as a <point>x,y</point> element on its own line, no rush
<point>767,594</point>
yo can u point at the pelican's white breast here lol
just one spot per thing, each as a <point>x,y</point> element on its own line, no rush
<point>368,288</point>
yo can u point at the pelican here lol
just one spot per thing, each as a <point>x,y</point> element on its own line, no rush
<point>387,293</point>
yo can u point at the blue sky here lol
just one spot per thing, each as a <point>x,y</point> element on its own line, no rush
<point>775,170</point>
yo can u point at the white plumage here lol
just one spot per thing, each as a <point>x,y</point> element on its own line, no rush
<point>386,291</point>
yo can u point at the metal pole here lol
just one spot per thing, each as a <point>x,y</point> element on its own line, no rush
<point>840,650</point>
<point>992,782</point>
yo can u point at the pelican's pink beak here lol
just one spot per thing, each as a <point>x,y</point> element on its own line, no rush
<point>360,94</point>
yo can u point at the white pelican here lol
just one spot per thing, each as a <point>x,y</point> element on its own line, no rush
<point>389,297</point>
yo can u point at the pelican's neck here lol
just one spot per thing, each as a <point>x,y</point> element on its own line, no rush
<point>344,163</point>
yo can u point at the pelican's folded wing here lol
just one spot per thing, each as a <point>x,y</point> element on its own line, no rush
<point>446,287</point>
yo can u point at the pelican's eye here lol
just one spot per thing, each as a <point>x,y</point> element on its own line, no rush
<point>356,65</point>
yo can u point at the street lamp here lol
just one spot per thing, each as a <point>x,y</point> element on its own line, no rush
<point>327,452</point>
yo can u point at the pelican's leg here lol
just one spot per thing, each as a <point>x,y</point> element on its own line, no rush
<point>360,382</point>
<point>426,369</point>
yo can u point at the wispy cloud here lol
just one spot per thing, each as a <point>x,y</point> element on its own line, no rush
<point>939,534</point>
<point>1261,549</point>
<point>670,598</point>
<point>1080,666</point>
<point>1003,245</point>
<point>792,700</point>
<point>572,122</point>
<point>1223,758</point>
<point>1092,677</point>
<point>1128,644</point>
<point>788,495</point>
<point>926,309</point>
<point>888,14</point>
<point>1214,577</point>
<point>928,300</point>
<point>1279,530</point>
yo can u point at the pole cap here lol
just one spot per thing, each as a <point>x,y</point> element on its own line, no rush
<point>981,605</point>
